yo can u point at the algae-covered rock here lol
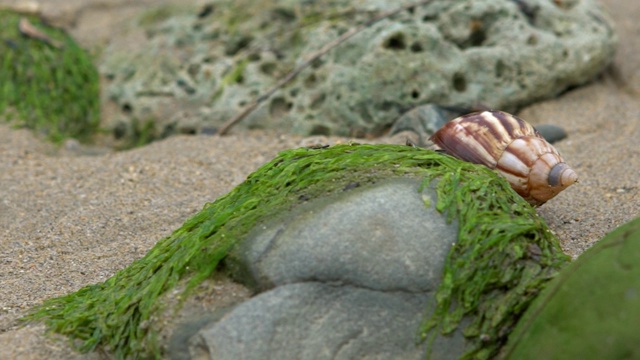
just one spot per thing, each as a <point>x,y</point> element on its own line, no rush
<point>591,310</point>
<point>502,256</point>
<point>47,83</point>
<point>368,257</point>
<point>200,68</point>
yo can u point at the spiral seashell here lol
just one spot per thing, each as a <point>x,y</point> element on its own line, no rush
<point>512,147</point>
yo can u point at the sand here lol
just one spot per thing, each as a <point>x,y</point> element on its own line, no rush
<point>73,216</point>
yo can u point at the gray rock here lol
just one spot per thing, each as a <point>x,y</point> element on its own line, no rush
<point>551,133</point>
<point>360,294</point>
<point>194,72</point>
<point>389,241</point>
<point>425,120</point>
<point>319,321</point>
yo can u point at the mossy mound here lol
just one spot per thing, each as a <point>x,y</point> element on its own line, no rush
<point>50,87</point>
<point>590,311</point>
<point>504,254</point>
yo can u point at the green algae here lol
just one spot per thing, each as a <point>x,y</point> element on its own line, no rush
<point>504,254</point>
<point>49,87</point>
<point>590,310</point>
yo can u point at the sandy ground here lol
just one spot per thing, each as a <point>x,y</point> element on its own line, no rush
<point>68,219</point>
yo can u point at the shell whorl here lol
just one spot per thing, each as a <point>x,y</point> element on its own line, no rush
<point>513,148</point>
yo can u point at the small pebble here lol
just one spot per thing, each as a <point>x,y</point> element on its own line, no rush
<point>551,133</point>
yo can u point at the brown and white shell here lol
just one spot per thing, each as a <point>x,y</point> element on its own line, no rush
<point>513,148</point>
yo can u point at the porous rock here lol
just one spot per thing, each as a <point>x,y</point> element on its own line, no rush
<point>199,68</point>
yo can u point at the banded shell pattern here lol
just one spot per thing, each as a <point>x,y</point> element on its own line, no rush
<point>513,148</point>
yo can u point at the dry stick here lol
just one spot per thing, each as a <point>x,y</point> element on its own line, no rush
<point>311,58</point>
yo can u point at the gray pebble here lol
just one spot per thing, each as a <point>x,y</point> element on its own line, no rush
<point>551,133</point>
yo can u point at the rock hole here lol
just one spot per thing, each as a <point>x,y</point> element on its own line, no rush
<point>317,101</point>
<point>283,14</point>
<point>268,68</point>
<point>188,130</point>
<point>120,130</point>
<point>395,42</point>
<point>500,68</point>
<point>126,108</point>
<point>279,107</point>
<point>240,78</point>
<point>168,130</point>
<point>565,4</point>
<point>320,129</point>
<point>415,94</point>
<point>253,57</point>
<point>184,85</point>
<point>386,106</point>
<point>193,70</point>
<point>522,85</point>
<point>416,47</point>
<point>429,17</point>
<point>478,34</point>
<point>234,45</point>
<point>205,11</point>
<point>317,63</point>
<point>310,81</point>
<point>529,11</point>
<point>459,82</point>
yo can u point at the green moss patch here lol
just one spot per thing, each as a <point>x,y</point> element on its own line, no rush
<point>504,254</point>
<point>590,310</point>
<point>50,87</point>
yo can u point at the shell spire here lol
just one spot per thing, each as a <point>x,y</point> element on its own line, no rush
<point>513,148</point>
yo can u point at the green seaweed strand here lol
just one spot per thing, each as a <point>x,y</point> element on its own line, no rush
<point>504,255</point>
<point>496,226</point>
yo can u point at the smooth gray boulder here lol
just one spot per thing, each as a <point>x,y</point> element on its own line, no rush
<point>196,69</point>
<point>320,321</point>
<point>350,276</point>
<point>380,237</point>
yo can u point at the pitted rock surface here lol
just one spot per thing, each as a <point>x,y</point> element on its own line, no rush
<point>197,68</point>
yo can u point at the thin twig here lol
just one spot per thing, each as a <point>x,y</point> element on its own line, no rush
<point>310,59</point>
